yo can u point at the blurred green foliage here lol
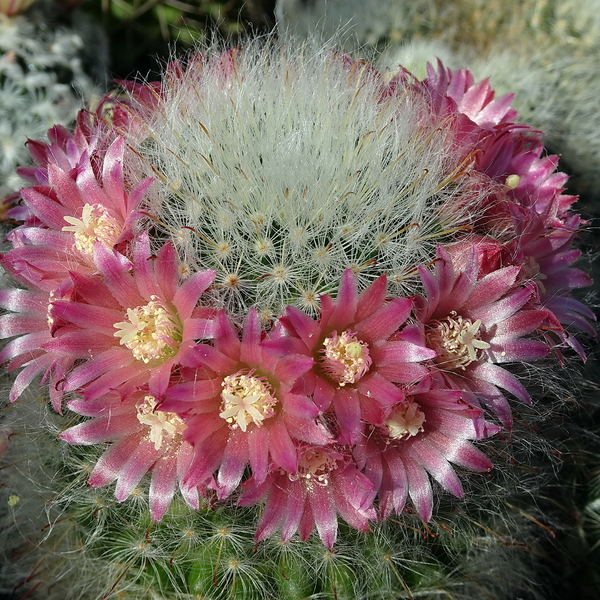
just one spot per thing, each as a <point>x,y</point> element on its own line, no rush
<point>144,33</point>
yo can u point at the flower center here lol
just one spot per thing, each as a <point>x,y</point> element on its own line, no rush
<point>456,340</point>
<point>150,332</point>
<point>532,271</point>
<point>345,358</point>
<point>405,421</point>
<point>95,225</point>
<point>246,399</point>
<point>315,466</point>
<point>161,423</point>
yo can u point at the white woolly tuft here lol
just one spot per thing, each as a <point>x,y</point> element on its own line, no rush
<point>290,170</point>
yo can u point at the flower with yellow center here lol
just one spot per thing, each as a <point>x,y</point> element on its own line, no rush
<point>95,225</point>
<point>457,341</point>
<point>162,424</point>
<point>246,399</point>
<point>345,358</point>
<point>405,421</point>
<point>315,466</point>
<point>150,332</point>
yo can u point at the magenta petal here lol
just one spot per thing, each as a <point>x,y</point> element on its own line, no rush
<point>322,504</point>
<point>296,322</point>
<point>109,466</point>
<point>460,452</point>
<point>206,460</point>
<point>226,337</point>
<point>347,410</point>
<point>110,360</point>
<point>283,451</point>
<point>101,429</point>
<point>82,315</point>
<point>138,464</point>
<point>186,296</point>
<point>396,485</point>
<point>162,486</point>
<point>498,376</point>
<point>235,459</point>
<point>346,302</point>
<point>178,396</point>
<point>83,344</point>
<point>491,287</point>
<point>419,490</point>
<point>258,451</point>
<point>250,349</point>
<point>26,376</point>
<point>518,351</point>
<point>166,270</point>
<point>290,368</point>
<point>380,389</point>
<point>272,514</point>
<point>386,321</point>
<point>371,299</point>
<point>48,211</point>
<point>323,394</point>
<point>307,522</point>
<point>215,360</point>
<point>295,507</point>
<point>403,372</point>
<point>299,406</point>
<point>427,455</point>
<point>308,430</point>
<point>401,352</point>
<point>118,280</point>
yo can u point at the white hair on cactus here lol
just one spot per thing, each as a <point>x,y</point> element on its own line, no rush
<point>291,168</point>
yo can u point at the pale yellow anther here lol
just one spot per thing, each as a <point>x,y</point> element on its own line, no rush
<point>512,181</point>
<point>149,332</point>
<point>457,341</point>
<point>95,225</point>
<point>246,399</point>
<point>406,420</point>
<point>162,424</point>
<point>345,358</point>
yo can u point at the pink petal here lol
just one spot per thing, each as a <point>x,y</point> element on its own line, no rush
<point>235,459</point>
<point>162,486</point>
<point>102,429</point>
<point>386,321</point>
<point>323,509</point>
<point>346,302</point>
<point>378,388</point>
<point>427,455</point>
<point>283,451</point>
<point>187,295</point>
<point>419,490</point>
<point>347,411</point>
<point>371,299</point>
<point>137,465</point>
<point>250,349</point>
<point>109,466</point>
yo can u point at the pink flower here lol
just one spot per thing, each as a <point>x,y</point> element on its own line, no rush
<point>358,363</point>
<point>240,407</point>
<point>475,321</point>
<point>504,151</point>
<point>143,438</point>
<point>126,328</point>
<point>74,211</point>
<point>419,437</point>
<point>32,325</point>
<point>327,483</point>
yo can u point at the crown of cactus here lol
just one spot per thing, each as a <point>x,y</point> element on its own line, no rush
<point>277,280</point>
